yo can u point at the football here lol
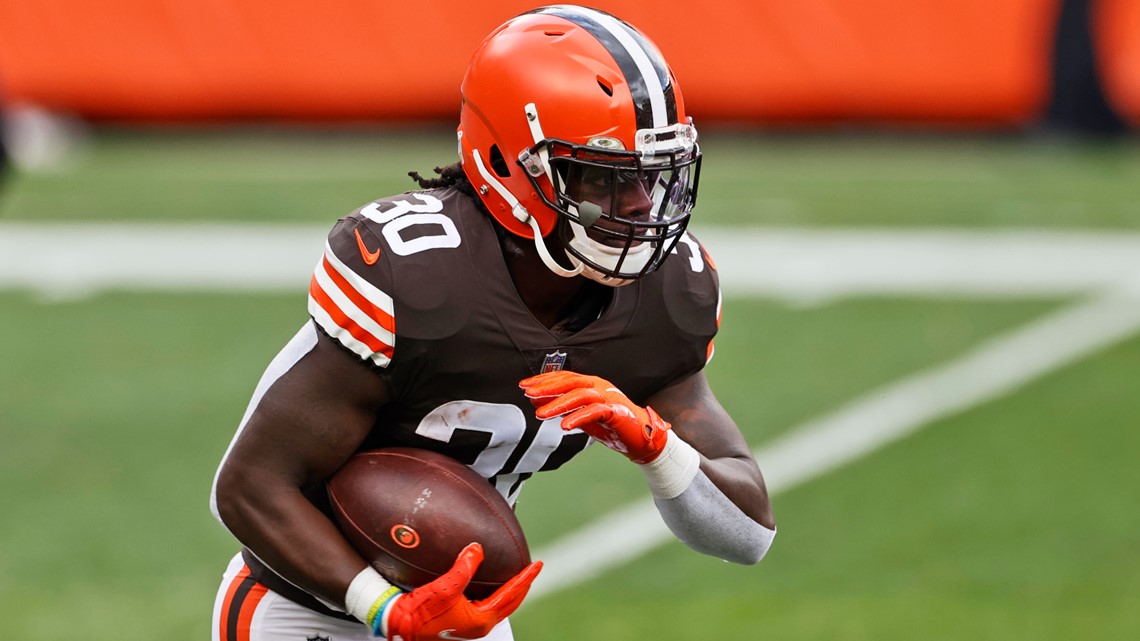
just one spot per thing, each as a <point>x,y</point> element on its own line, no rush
<point>409,512</point>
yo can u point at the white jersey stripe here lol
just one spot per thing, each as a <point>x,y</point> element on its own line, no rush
<point>719,304</point>
<point>341,299</point>
<point>343,336</point>
<point>365,288</point>
<point>712,343</point>
<point>350,308</point>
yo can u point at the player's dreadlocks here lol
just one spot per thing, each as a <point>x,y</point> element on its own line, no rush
<point>449,176</point>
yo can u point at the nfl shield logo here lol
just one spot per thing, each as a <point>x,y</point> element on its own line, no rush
<point>553,362</point>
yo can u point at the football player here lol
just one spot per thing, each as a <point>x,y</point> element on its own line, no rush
<point>539,296</point>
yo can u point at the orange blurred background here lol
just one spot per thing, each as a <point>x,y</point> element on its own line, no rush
<point>957,62</point>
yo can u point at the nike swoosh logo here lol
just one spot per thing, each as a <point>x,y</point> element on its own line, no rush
<point>447,636</point>
<point>369,257</point>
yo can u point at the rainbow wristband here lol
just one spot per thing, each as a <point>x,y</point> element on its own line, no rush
<point>368,598</point>
<point>376,613</point>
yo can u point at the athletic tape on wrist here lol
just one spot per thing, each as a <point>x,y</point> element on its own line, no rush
<point>673,470</point>
<point>367,598</point>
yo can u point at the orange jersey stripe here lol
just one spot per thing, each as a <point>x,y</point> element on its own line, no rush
<point>379,315</point>
<point>708,257</point>
<point>340,318</point>
<point>248,606</point>
<point>230,591</point>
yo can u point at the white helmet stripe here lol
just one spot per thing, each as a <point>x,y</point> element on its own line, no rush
<point>627,46</point>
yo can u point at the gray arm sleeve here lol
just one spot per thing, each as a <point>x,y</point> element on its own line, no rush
<point>704,519</point>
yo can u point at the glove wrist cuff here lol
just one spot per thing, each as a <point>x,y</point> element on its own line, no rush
<point>368,597</point>
<point>673,470</point>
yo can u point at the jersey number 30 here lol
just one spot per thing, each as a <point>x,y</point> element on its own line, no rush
<point>506,426</point>
<point>438,231</point>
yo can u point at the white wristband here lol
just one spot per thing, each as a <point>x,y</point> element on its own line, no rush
<point>366,588</point>
<point>673,470</point>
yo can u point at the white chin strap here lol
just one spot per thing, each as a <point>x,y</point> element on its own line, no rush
<point>597,276</point>
<point>544,253</point>
<point>522,215</point>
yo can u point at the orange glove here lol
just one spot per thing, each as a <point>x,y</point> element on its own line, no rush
<point>438,610</point>
<point>598,408</point>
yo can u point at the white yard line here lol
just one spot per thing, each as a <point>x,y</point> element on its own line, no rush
<point>879,418</point>
<point>75,259</point>
<point>824,263</point>
<point>65,260</point>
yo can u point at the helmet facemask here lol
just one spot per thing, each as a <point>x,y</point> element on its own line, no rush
<point>621,212</point>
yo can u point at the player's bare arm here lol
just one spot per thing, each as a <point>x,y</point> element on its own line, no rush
<point>700,420</point>
<point>701,495</point>
<point>309,422</point>
<point>305,426</point>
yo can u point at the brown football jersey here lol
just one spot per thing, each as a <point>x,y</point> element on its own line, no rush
<point>417,285</point>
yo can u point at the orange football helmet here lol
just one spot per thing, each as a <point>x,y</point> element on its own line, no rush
<point>573,123</point>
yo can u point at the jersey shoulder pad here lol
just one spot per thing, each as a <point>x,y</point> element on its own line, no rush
<point>691,292</point>
<point>691,284</point>
<point>377,261</point>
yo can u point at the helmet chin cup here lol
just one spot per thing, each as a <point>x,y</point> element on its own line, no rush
<point>597,276</point>
<point>605,264</point>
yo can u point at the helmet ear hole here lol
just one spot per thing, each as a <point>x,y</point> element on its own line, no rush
<point>498,163</point>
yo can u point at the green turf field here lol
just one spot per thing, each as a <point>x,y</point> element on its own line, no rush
<point>1010,520</point>
<point>748,179</point>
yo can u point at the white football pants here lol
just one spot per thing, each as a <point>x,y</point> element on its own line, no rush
<point>245,610</point>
